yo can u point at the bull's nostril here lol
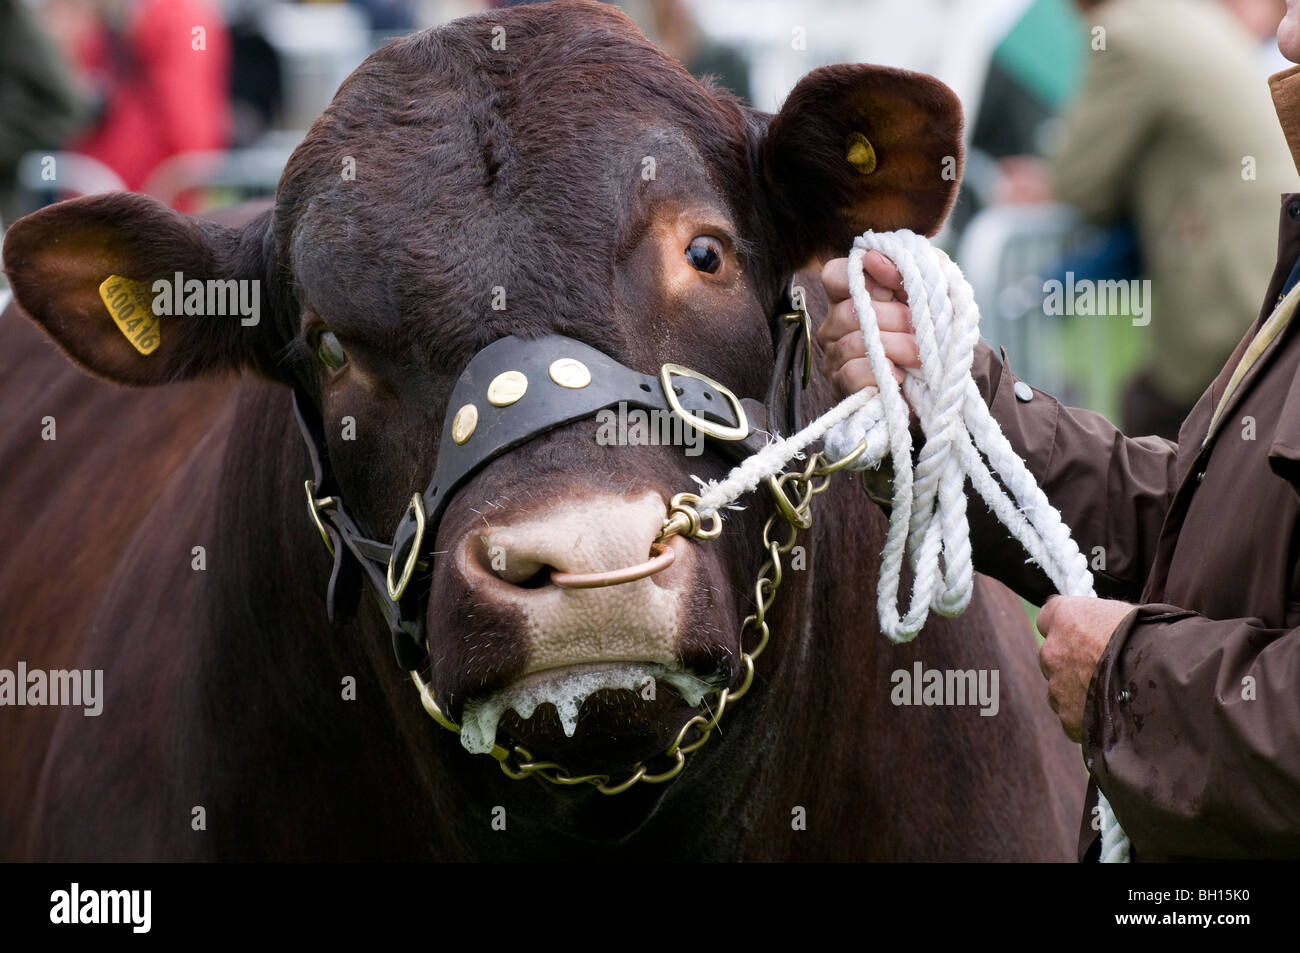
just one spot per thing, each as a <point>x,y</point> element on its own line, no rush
<point>592,543</point>
<point>515,569</point>
<point>537,580</point>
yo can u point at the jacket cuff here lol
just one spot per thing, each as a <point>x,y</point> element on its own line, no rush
<point>1189,729</point>
<point>1101,730</point>
<point>1104,724</point>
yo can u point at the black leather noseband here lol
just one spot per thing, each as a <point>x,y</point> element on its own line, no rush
<point>513,391</point>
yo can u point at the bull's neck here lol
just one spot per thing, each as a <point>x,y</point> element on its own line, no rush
<point>310,711</point>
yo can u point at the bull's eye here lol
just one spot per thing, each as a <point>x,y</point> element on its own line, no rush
<point>330,351</point>
<point>705,254</point>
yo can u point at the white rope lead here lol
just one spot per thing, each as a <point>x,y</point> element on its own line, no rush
<point>928,518</point>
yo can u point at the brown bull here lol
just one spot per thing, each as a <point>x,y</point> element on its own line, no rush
<point>540,172</point>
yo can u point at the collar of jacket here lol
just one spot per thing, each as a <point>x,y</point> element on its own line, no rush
<point>1285,87</point>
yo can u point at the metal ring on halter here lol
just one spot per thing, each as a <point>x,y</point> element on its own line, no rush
<point>787,509</point>
<point>398,586</point>
<point>833,466</point>
<point>683,519</point>
<point>717,431</point>
<point>314,506</point>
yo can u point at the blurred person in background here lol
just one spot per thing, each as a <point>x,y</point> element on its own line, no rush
<point>256,75</point>
<point>1259,18</point>
<point>1174,132</point>
<point>669,25</point>
<point>159,73</point>
<point>389,17</point>
<point>40,107</point>
<point>673,29</point>
<point>1033,72</point>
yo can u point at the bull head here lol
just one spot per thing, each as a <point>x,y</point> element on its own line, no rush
<point>577,183</point>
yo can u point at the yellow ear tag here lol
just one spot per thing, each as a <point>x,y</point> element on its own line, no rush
<point>859,153</point>
<point>130,304</point>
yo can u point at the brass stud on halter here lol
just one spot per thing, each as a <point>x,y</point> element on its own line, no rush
<point>570,372</point>
<point>464,423</point>
<point>506,388</point>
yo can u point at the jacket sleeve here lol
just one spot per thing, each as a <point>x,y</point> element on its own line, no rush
<point>1163,672</point>
<point>1105,129</point>
<point>1112,491</point>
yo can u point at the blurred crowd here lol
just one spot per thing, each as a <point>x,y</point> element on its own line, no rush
<point>131,84</point>
<point>1170,142</point>
<point>1150,118</point>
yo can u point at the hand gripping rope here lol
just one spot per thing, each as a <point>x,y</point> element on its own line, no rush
<point>928,518</point>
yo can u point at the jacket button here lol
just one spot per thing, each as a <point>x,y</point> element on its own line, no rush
<point>1024,393</point>
<point>1123,697</point>
<point>1200,475</point>
<point>1293,209</point>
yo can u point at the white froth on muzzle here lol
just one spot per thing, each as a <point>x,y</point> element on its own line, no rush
<point>567,689</point>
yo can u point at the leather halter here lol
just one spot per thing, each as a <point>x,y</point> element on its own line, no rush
<point>507,413</point>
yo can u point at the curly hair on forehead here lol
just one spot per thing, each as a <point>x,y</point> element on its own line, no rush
<point>491,161</point>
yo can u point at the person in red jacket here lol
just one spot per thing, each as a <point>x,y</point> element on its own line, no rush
<point>160,70</point>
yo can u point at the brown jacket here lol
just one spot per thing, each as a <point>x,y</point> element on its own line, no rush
<point>1192,723</point>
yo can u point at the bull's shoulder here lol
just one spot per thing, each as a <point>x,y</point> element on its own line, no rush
<point>84,462</point>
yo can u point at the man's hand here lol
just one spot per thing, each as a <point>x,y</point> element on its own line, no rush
<point>1077,630</point>
<point>844,354</point>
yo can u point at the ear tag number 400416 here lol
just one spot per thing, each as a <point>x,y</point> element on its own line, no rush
<point>130,304</point>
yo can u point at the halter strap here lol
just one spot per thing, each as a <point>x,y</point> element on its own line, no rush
<point>513,391</point>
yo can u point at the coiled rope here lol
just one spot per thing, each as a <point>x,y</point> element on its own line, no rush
<point>928,519</point>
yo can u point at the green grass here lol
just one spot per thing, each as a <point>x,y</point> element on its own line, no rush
<point>1123,348</point>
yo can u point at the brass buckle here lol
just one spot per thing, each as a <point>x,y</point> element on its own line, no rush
<point>717,431</point>
<point>314,506</point>
<point>395,589</point>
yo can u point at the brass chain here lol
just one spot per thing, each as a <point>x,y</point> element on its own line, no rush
<point>793,492</point>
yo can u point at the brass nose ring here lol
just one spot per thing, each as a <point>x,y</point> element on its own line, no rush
<point>661,559</point>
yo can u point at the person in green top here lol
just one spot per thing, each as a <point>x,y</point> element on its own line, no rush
<point>1174,131</point>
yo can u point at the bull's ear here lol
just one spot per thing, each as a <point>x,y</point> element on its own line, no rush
<point>861,147</point>
<point>92,273</point>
